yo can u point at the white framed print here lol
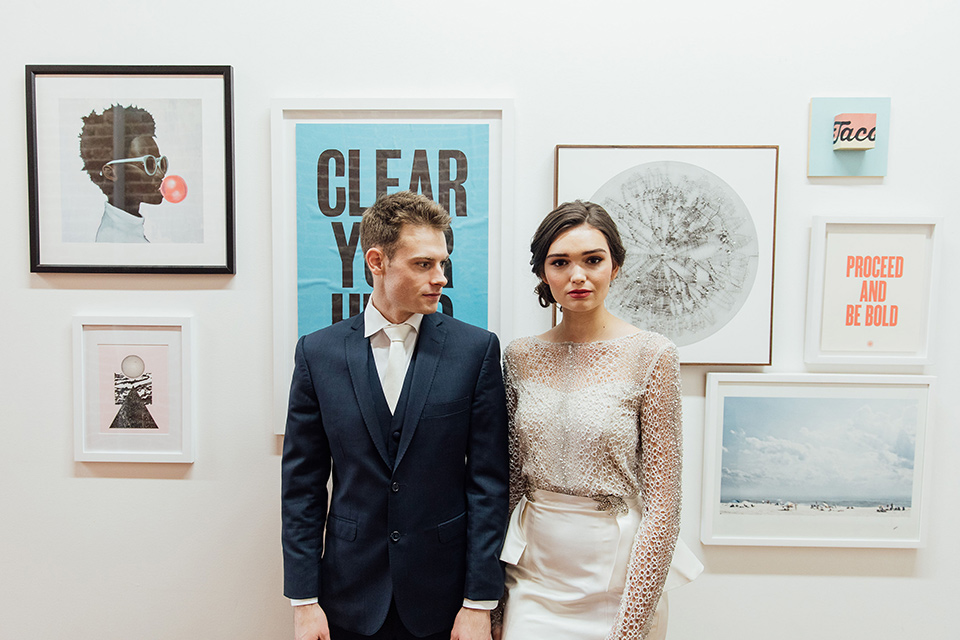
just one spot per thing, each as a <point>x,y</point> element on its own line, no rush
<point>331,160</point>
<point>871,290</point>
<point>698,224</point>
<point>133,390</point>
<point>816,460</point>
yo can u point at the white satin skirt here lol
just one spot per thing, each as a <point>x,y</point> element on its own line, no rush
<point>567,567</point>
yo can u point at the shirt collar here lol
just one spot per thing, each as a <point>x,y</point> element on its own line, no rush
<point>119,217</point>
<point>373,320</point>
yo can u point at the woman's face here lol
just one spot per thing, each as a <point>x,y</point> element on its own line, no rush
<point>579,268</point>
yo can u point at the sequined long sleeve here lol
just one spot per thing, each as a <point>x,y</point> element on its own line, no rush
<point>516,458</point>
<point>661,458</point>
<point>516,484</point>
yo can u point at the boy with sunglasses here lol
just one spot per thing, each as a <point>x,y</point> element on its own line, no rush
<point>121,156</point>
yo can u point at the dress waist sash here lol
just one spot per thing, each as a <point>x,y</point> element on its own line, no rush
<point>516,540</point>
<point>684,565</point>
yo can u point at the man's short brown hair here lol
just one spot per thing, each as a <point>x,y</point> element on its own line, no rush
<point>381,223</point>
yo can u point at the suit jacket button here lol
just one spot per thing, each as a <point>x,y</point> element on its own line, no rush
<point>396,436</point>
<point>395,536</point>
<point>395,487</point>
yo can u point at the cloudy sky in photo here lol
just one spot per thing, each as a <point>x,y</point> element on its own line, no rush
<point>829,449</point>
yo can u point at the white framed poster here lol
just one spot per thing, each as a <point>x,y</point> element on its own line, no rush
<point>132,396</point>
<point>871,290</point>
<point>821,460</point>
<point>332,158</point>
<point>698,223</point>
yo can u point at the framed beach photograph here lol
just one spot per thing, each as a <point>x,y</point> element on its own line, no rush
<point>816,460</point>
<point>333,158</point>
<point>871,291</point>
<point>698,223</point>
<point>133,390</point>
<point>130,169</point>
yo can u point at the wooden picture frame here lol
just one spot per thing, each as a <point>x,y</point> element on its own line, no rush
<point>698,223</point>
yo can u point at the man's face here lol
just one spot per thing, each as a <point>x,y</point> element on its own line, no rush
<point>140,186</point>
<point>412,279</point>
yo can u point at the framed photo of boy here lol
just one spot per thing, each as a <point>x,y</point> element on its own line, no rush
<point>871,290</point>
<point>130,169</point>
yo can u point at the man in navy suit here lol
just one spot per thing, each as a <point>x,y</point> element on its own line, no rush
<point>410,546</point>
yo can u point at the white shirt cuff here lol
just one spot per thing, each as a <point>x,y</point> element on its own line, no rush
<point>486,605</point>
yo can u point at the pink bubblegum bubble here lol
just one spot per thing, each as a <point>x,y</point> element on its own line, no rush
<point>173,188</point>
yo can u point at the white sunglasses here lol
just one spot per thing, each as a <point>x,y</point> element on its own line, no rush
<point>150,163</point>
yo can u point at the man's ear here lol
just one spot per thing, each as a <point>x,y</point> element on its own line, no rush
<point>109,172</point>
<point>375,260</point>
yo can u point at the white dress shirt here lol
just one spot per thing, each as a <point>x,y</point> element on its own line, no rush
<point>373,324</point>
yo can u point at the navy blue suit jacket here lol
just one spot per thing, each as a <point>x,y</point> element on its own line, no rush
<point>426,530</point>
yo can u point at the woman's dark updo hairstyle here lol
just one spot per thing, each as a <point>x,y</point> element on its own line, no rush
<point>567,216</point>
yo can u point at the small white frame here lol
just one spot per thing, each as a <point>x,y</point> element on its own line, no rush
<point>161,348</point>
<point>883,318</point>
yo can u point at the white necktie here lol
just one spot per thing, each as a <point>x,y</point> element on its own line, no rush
<point>396,363</point>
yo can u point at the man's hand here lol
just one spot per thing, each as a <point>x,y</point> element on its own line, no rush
<point>310,623</point>
<point>471,624</point>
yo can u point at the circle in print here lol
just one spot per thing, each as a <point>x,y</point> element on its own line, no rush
<point>132,366</point>
<point>692,249</point>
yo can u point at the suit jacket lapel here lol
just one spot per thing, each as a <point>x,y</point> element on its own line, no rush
<point>429,349</point>
<point>357,351</point>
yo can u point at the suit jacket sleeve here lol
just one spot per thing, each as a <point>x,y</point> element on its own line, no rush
<point>487,480</point>
<point>305,469</point>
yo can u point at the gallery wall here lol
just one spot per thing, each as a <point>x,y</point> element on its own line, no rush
<point>120,550</point>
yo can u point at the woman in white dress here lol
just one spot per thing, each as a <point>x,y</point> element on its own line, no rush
<point>595,436</point>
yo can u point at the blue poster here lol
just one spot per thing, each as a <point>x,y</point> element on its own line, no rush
<point>342,168</point>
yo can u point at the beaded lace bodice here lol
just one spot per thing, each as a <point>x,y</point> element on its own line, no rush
<point>602,420</point>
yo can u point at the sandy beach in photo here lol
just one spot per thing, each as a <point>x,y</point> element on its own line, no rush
<point>749,508</point>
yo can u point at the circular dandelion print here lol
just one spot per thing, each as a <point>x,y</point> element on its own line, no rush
<point>692,249</point>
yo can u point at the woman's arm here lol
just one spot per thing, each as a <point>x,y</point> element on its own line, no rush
<point>661,458</point>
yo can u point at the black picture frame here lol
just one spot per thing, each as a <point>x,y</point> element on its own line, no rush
<point>189,117</point>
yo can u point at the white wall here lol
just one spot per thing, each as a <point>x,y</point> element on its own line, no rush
<point>106,551</point>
